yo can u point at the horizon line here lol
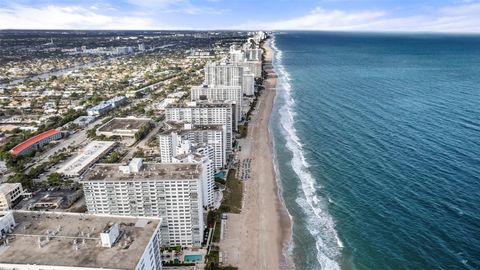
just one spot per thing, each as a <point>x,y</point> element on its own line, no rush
<point>251,30</point>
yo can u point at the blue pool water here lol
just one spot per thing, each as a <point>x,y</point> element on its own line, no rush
<point>193,258</point>
<point>220,174</point>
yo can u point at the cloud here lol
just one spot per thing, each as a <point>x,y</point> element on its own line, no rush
<point>69,17</point>
<point>141,14</point>
<point>194,10</point>
<point>156,4</point>
<point>174,6</point>
<point>460,18</point>
<point>325,19</point>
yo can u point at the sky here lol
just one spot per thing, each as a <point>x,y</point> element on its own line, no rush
<point>457,16</point>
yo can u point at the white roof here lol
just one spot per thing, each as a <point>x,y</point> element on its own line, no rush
<point>86,157</point>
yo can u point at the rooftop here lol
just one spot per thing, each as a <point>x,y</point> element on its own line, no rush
<point>149,171</point>
<point>207,127</point>
<point>75,240</point>
<point>89,154</point>
<point>180,127</point>
<point>226,63</point>
<point>200,104</point>
<point>129,123</point>
<point>33,140</point>
<point>84,119</point>
<point>206,86</point>
<point>107,103</point>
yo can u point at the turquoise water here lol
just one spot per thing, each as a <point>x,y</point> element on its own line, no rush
<point>377,149</point>
<point>220,174</point>
<point>193,258</point>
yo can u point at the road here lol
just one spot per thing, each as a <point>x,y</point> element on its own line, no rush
<point>141,145</point>
<point>73,140</point>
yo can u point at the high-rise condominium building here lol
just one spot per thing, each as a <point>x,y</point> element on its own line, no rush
<point>171,191</point>
<point>34,240</point>
<point>248,83</point>
<point>205,113</point>
<point>185,139</point>
<point>237,55</point>
<point>227,74</point>
<point>224,74</point>
<point>255,67</point>
<point>253,54</point>
<point>220,94</point>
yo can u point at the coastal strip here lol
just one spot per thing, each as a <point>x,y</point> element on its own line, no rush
<point>256,238</point>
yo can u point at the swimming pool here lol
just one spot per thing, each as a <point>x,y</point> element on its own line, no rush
<point>220,174</point>
<point>193,258</point>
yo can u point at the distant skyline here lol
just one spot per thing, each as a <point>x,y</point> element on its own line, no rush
<point>334,15</point>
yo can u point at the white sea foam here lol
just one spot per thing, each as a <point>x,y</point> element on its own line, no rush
<point>287,249</point>
<point>320,223</point>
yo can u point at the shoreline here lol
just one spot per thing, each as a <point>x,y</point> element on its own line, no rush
<point>286,261</point>
<point>260,235</point>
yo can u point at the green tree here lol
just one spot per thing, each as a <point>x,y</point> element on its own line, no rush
<point>92,133</point>
<point>139,154</point>
<point>54,179</point>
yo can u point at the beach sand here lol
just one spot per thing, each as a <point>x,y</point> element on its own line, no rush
<point>256,238</point>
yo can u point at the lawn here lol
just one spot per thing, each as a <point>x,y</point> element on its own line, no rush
<point>243,130</point>
<point>233,194</point>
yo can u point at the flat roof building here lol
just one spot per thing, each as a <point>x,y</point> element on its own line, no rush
<point>253,54</point>
<point>236,54</point>
<point>205,113</point>
<point>248,84</point>
<point>123,127</point>
<point>249,55</point>
<point>60,241</point>
<point>171,191</point>
<point>225,74</point>
<point>9,193</point>
<point>229,74</point>
<point>220,94</point>
<point>255,67</point>
<point>86,158</point>
<point>106,106</point>
<point>172,141</point>
<point>84,120</point>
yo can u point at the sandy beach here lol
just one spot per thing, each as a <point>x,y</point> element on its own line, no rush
<point>255,238</point>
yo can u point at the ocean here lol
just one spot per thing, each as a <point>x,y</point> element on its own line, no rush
<point>377,149</point>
